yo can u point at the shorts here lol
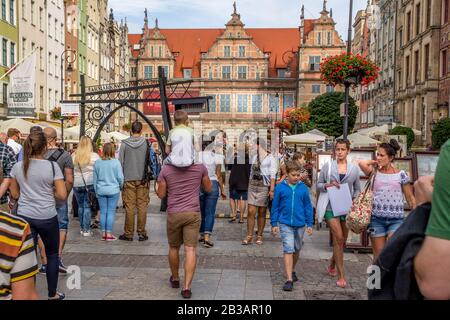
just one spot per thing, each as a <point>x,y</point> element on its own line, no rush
<point>238,194</point>
<point>329,215</point>
<point>183,228</point>
<point>63,216</point>
<point>292,238</point>
<point>381,227</point>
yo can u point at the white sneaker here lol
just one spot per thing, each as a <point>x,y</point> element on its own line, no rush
<point>81,232</point>
<point>87,233</point>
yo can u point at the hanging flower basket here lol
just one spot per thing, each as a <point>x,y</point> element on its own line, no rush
<point>55,114</point>
<point>297,115</point>
<point>283,125</point>
<point>348,69</point>
<point>126,127</point>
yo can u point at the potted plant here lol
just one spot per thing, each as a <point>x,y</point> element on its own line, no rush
<point>348,69</point>
<point>297,118</point>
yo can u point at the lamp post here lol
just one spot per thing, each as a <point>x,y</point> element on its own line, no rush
<point>69,60</point>
<point>347,84</point>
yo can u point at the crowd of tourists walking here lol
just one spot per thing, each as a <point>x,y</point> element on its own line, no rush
<point>38,176</point>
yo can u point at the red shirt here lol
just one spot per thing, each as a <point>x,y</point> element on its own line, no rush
<point>183,187</point>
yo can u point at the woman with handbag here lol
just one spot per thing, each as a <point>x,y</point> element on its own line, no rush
<point>36,183</point>
<point>261,190</point>
<point>389,187</point>
<point>83,186</point>
<point>333,174</point>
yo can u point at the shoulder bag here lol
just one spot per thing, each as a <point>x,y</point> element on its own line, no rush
<point>322,202</point>
<point>92,198</point>
<point>361,212</point>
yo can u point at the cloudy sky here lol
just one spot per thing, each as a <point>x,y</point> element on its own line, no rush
<point>215,13</point>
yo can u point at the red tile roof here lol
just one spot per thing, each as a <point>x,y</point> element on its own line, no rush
<point>191,43</point>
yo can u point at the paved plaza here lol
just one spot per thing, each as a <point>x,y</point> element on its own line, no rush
<point>228,271</point>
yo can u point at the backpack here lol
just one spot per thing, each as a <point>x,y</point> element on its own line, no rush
<point>148,170</point>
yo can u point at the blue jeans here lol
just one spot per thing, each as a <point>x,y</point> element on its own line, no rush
<point>208,204</point>
<point>84,208</point>
<point>108,211</point>
<point>382,227</point>
<point>63,216</point>
<point>292,238</point>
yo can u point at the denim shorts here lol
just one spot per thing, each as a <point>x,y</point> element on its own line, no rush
<point>63,216</point>
<point>292,238</point>
<point>238,194</point>
<point>381,227</point>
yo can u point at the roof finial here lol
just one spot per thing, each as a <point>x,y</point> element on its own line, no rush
<point>156,24</point>
<point>324,5</point>
<point>111,15</point>
<point>302,16</point>
<point>146,15</point>
<point>234,7</point>
<point>331,13</point>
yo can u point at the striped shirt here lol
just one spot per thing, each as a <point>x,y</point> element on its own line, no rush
<point>17,255</point>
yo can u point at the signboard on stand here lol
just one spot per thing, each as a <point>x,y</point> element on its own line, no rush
<point>70,109</point>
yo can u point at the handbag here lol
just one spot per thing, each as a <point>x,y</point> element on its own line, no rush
<point>92,197</point>
<point>322,202</point>
<point>360,214</point>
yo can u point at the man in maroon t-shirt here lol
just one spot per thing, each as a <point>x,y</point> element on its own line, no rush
<point>182,188</point>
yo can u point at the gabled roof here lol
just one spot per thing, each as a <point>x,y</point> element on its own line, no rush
<point>191,43</point>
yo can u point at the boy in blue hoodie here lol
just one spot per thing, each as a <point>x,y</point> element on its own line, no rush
<point>291,214</point>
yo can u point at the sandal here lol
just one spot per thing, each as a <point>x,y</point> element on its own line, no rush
<point>233,219</point>
<point>247,241</point>
<point>208,244</point>
<point>59,296</point>
<point>331,272</point>
<point>341,283</point>
<point>201,240</point>
<point>259,240</point>
<point>95,224</point>
<point>241,221</point>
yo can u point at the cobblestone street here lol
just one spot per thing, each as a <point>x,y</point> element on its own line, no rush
<point>139,270</point>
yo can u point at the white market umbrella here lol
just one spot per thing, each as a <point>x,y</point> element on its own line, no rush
<point>359,140</point>
<point>20,124</point>
<point>304,138</point>
<point>72,134</point>
<point>372,131</point>
<point>318,132</point>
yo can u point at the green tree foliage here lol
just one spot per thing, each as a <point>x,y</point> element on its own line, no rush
<point>325,114</point>
<point>404,131</point>
<point>441,133</point>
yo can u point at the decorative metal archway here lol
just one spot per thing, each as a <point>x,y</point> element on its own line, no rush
<point>126,93</point>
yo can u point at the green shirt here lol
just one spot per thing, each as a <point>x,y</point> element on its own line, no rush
<point>293,186</point>
<point>439,223</point>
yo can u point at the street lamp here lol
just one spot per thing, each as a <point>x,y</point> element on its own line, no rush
<point>348,83</point>
<point>69,60</point>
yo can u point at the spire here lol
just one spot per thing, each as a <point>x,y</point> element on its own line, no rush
<point>145,16</point>
<point>234,7</point>
<point>302,16</point>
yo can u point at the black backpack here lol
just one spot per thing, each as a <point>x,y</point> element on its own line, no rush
<point>148,171</point>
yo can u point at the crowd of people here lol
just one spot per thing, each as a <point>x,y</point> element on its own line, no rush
<point>38,176</point>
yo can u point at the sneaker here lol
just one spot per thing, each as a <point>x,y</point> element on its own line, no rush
<point>143,237</point>
<point>87,233</point>
<point>59,296</point>
<point>288,286</point>
<point>62,267</point>
<point>43,269</point>
<point>125,238</point>
<point>186,293</point>
<point>294,277</point>
<point>174,283</point>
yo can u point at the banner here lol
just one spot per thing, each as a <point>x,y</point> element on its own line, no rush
<point>21,95</point>
<point>70,109</point>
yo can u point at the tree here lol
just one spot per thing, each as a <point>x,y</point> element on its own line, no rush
<point>404,131</point>
<point>325,113</point>
<point>441,133</point>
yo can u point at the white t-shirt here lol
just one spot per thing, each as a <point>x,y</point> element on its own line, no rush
<point>211,160</point>
<point>269,168</point>
<point>88,172</point>
<point>15,146</point>
<point>181,139</point>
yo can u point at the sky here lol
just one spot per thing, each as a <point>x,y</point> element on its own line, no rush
<point>216,13</point>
